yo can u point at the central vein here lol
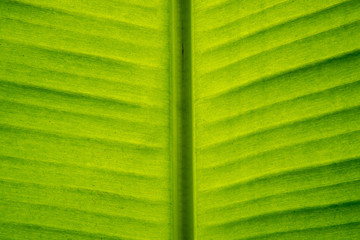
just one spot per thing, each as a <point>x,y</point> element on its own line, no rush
<point>182,123</point>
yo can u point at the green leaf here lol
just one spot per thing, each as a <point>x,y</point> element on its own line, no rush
<point>221,119</point>
<point>277,112</point>
<point>84,120</point>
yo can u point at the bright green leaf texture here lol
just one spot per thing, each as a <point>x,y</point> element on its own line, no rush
<point>108,131</point>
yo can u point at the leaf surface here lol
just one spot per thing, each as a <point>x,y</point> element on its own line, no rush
<point>196,119</point>
<point>277,126</point>
<point>84,120</point>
